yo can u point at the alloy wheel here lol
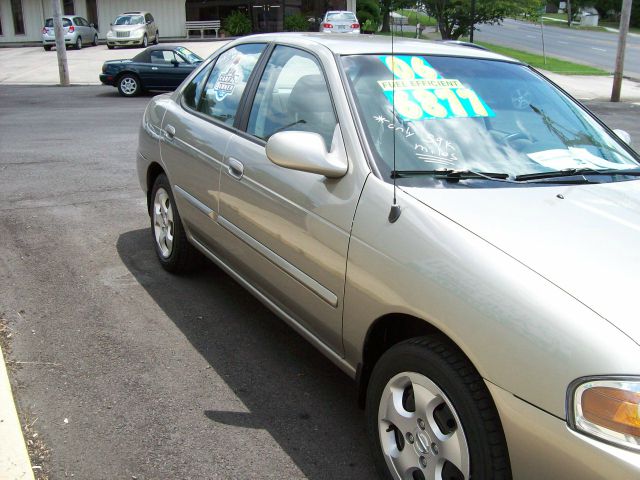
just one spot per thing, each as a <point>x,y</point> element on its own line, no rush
<point>163,226</point>
<point>129,85</point>
<point>420,432</point>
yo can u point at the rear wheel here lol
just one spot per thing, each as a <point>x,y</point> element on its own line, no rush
<point>430,416</point>
<point>174,251</point>
<point>95,41</point>
<point>79,43</point>
<point>47,48</point>
<point>156,40</point>
<point>129,85</point>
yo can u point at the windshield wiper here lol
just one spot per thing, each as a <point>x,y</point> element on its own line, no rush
<point>570,172</point>
<point>449,174</point>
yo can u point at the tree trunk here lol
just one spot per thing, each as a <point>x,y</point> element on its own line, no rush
<point>385,22</point>
<point>569,13</point>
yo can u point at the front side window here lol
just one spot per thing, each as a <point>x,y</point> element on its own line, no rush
<point>451,113</point>
<point>292,95</point>
<point>228,80</point>
<point>165,57</point>
<point>18,19</point>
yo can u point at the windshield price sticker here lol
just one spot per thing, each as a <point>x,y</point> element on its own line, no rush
<point>419,92</point>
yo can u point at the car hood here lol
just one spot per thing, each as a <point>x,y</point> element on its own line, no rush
<point>585,239</point>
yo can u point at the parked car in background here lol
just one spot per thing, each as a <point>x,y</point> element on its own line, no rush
<point>161,67</point>
<point>447,226</point>
<point>133,29</point>
<point>77,32</point>
<point>340,21</point>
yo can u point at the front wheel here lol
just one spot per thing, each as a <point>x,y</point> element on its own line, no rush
<point>145,41</point>
<point>47,48</point>
<point>79,43</point>
<point>430,416</point>
<point>110,47</point>
<point>95,41</point>
<point>156,39</point>
<point>174,251</point>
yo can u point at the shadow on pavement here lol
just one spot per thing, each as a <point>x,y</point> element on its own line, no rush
<point>305,403</point>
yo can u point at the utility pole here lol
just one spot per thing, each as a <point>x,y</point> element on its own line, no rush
<point>61,50</point>
<point>569,13</point>
<point>625,15</point>
<point>473,19</point>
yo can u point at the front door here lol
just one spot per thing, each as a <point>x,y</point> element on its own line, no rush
<point>267,17</point>
<point>291,227</point>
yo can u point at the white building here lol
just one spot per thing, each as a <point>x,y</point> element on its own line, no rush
<point>21,21</point>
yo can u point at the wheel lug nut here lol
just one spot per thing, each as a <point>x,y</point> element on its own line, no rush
<point>423,462</point>
<point>421,424</point>
<point>410,437</point>
<point>434,448</point>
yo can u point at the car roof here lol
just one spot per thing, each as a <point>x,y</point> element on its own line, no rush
<point>145,55</point>
<point>371,44</point>
<point>133,13</point>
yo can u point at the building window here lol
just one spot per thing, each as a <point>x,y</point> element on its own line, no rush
<point>18,19</point>
<point>0,23</point>
<point>67,7</point>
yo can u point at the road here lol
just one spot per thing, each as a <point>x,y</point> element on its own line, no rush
<point>581,46</point>
<point>123,370</point>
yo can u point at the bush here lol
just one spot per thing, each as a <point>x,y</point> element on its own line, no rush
<point>296,23</point>
<point>369,26</point>
<point>368,10</point>
<point>237,24</point>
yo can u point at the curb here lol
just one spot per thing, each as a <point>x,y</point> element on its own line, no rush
<point>14,459</point>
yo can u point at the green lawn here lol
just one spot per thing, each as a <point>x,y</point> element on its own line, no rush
<point>553,64</point>
<point>416,17</point>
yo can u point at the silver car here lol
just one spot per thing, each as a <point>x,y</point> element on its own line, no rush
<point>448,227</point>
<point>133,29</point>
<point>77,32</point>
<point>340,21</point>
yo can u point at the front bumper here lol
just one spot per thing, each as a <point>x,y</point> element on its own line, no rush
<point>542,446</point>
<point>125,41</point>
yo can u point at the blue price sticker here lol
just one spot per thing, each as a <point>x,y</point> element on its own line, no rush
<point>419,92</point>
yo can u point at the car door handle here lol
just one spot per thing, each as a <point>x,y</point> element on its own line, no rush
<point>236,168</point>
<point>170,131</point>
<point>154,68</point>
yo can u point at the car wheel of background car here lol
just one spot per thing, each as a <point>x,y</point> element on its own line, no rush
<point>79,43</point>
<point>110,47</point>
<point>47,47</point>
<point>145,41</point>
<point>430,415</point>
<point>156,40</point>
<point>174,251</point>
<point>95,41</point>
<point>129,85</point>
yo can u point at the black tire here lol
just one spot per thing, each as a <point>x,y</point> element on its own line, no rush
<point>145,41</point>
<point>156,39</point>
<point>110,47</point>
<point>183,256</point>
<point>453,374</point>
<point>129,85</point>
<point>78,45</point>
<point>95,41</point>
<point>47,48</point>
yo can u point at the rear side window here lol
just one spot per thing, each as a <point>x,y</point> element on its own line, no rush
<point>65,22</point>
<point>228,80</point>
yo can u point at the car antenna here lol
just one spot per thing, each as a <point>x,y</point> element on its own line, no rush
<point>394,213</point>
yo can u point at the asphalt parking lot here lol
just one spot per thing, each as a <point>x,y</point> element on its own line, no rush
<point>124,371</point>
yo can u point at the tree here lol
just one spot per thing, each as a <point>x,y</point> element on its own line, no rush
<point>454,17</point>
<point>368,10</point>
<point>388,6</point>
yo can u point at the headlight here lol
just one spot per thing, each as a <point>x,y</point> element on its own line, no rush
<point>608,409</point>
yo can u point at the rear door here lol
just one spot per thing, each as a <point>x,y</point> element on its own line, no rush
<point>195,132</point>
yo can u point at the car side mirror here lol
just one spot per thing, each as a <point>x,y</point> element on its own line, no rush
<point>623,135</point>
<point>175,62</point>
<point>306,152</point>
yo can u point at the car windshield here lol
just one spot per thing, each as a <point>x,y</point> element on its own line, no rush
<point>129,20</point>
<point>341,17</point>
<point>464,114</point>
<point>49,22</point>
<point>189,55</point>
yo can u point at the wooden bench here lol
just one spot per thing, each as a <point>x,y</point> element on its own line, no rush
<point>202,26</point>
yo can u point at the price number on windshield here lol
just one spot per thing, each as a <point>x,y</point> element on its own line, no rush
<point>439,103</point>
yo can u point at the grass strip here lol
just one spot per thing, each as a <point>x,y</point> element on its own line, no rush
<point>537,61</point>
